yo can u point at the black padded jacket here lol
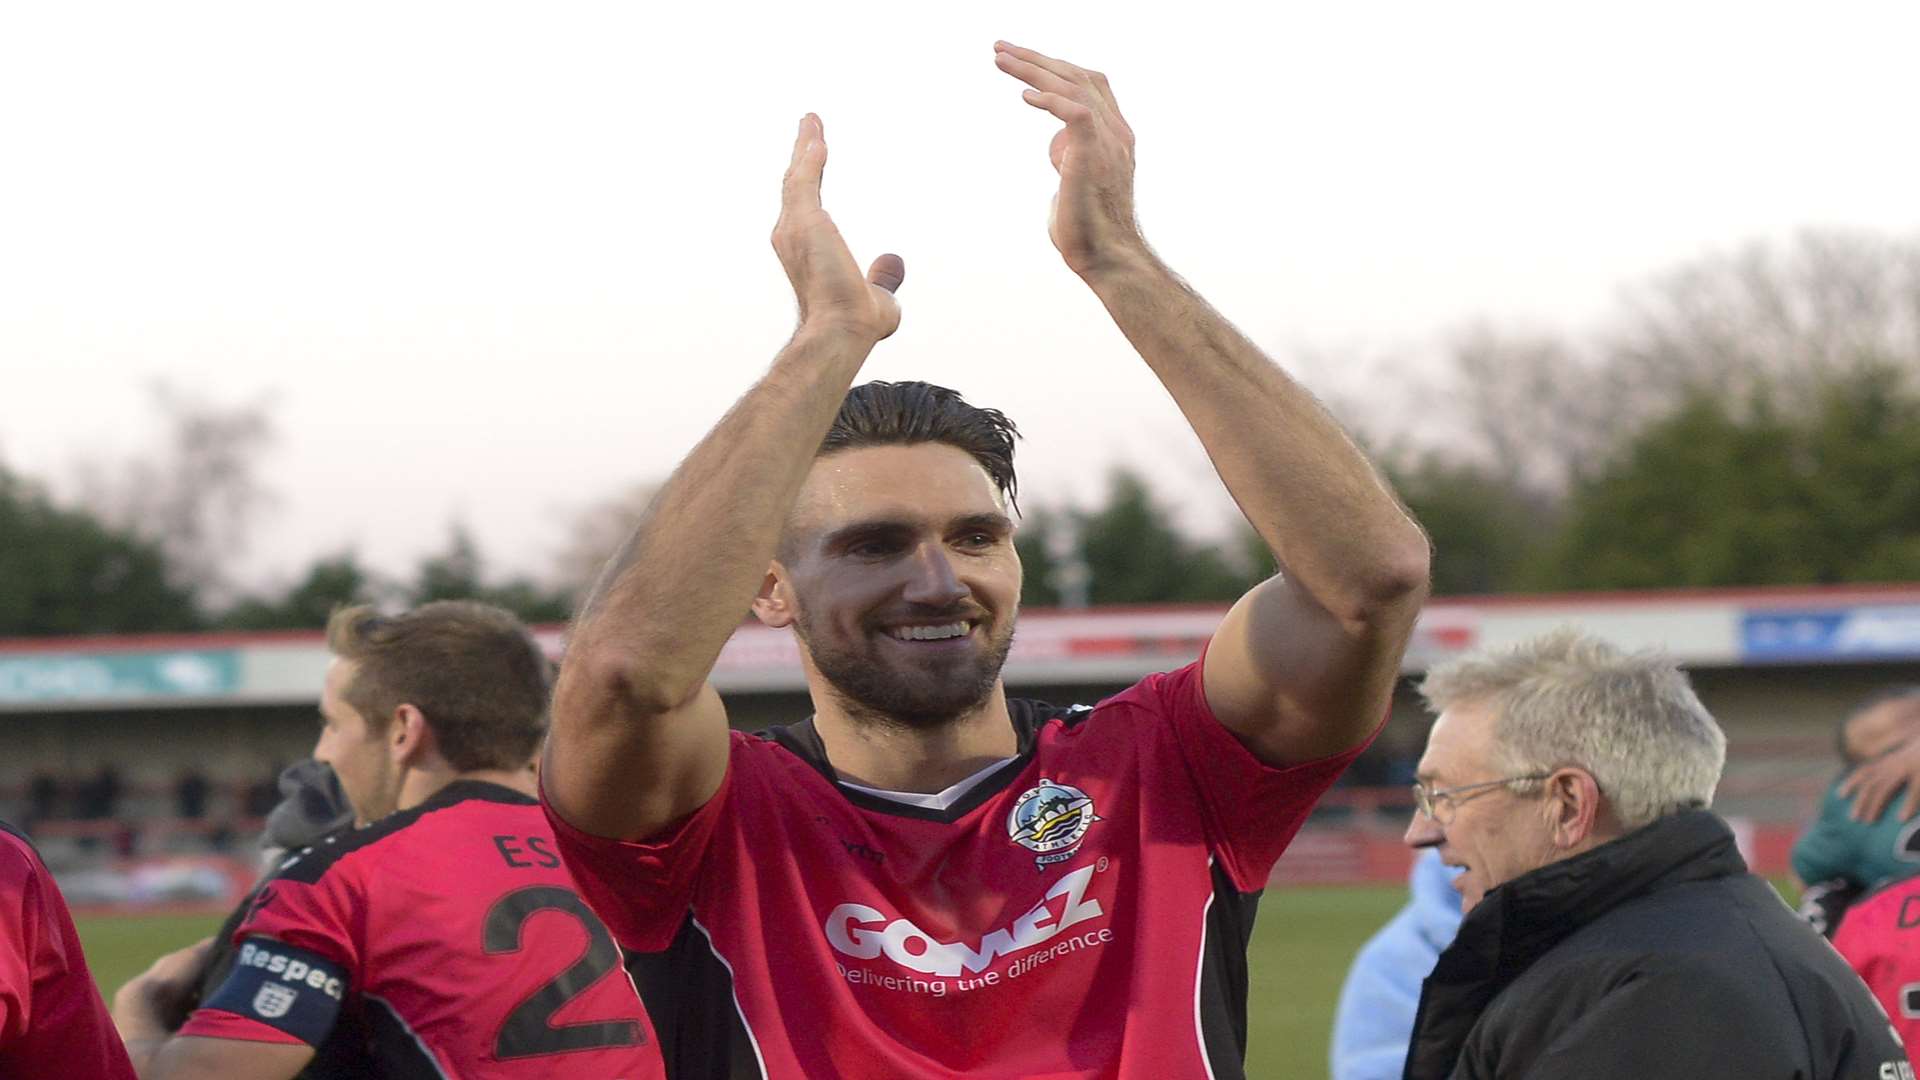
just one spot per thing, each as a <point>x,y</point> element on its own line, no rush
<point>1654,957</point>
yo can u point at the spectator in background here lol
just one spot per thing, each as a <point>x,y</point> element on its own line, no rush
<point>1876,782</point>
<point>1611,928</point>
<point>52,1022</point>
<point>262,795</point>
<point>1374,1020</point>
<point>190,793</point>
<point>1840,855</point>
<point>43,797</point>
<point>99,798</point>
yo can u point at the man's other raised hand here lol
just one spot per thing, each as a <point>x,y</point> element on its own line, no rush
<point>1092,220</point>
<point>834,296</point>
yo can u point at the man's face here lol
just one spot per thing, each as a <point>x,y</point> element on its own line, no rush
<point>1873,732</point>
<point>359,757</point>
<point>1494,835</point>
<point>903,581</point>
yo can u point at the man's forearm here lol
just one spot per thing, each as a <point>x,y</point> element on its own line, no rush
<point>1338,532</point>
<point>142,1052</point>
<point>685,578</point>
<point>138,1023</point>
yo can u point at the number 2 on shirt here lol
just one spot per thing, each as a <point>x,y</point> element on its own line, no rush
<point>528,1030</point>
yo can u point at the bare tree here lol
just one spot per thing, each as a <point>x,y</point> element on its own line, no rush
<point>1541,410</point>
<point>596,533</point>
<point>196,494</point>
<point>1830,306</point>
<point>1536,407</point>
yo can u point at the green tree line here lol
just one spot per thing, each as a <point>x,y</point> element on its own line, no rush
<point>1751,419</point>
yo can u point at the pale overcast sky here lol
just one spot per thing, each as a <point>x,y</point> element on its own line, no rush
<point>497,261</point>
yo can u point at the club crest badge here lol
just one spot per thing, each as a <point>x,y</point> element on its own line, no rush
<point>1050,820</point>
<point>273,1000</point>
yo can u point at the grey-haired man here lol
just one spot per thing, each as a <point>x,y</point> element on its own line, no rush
<point>1612,929</point>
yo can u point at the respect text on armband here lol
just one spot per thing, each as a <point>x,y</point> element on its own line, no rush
<point>290,969</point>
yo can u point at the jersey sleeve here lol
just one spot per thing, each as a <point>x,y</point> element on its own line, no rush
<point>295,958</point>
<point>19,941</point>
<point>275,993</point>
<point>1829,848</point>
<point>643,889</point>
<point>1251,810</point>
<point>52,1019</point>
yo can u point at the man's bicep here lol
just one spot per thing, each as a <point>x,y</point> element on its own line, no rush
<point>197,1058</point>
<point>612,771</point>
<point>1296,684</point>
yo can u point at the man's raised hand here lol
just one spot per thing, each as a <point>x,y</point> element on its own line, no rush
<point>833,294</point>
<point>1092,221</point>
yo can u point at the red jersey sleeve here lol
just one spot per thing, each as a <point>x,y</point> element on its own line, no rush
<point>1251,810</point>
<point>317,916</point>
<point>209,1023</point>
<point>52,1019</point>
<point>643,889</point>
<point>20,943</point>
<point>299,988</point>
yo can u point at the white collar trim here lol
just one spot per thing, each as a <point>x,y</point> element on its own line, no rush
<point>938,801</point>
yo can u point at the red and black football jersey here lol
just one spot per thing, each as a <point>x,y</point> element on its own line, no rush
<point>1082,911</point>
<point>1880,937</point>
<point>448,940</point>
<point>52,1021</point>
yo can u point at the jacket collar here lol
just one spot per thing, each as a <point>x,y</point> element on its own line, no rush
<point>1536,911</point>
<point>1521,920</point>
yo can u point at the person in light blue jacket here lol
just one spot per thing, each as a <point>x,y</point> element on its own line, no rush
<point>1374,1021</point>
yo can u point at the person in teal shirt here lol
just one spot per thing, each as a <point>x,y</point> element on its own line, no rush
<point>1862,837</point>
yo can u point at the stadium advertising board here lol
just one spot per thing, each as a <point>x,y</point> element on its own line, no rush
<point>80,677</point>
<point>1815,635</point>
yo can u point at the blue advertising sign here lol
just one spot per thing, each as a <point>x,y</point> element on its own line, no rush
<point>1785,636</point>
<point>58,677</point>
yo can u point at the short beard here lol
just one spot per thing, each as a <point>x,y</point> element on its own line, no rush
<point>875,694</point>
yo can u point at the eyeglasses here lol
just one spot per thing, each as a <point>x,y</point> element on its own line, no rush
<point>1440,806</point>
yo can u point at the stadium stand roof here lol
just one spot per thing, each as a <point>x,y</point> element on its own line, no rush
<point>1704,628</point>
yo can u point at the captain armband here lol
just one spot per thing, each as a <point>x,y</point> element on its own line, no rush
<point>285,988</point>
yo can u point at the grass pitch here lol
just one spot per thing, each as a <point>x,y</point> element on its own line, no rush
<point>1302,944</point>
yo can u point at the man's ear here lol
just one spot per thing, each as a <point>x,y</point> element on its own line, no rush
<point>774,605</point>
<point>409,738</point>
<point>1573,802</point>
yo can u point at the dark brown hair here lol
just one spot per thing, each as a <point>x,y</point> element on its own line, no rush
<point>905,413</point>
<point>472,669</point>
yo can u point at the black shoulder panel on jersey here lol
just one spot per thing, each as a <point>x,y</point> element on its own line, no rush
<point>310,864</point>
<point>398,1051</point>
<point>1891,883</point>
<point>1039,714</point>
<point>1223,977</point>
<point>1029,718</point>
<point>688,993</point>
<point>16,833</point>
